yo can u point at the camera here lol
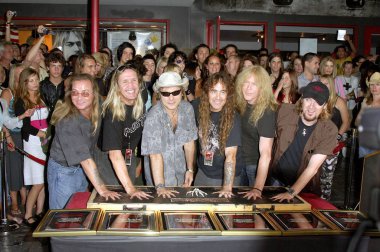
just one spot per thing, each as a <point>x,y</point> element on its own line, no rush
<point>13,13</point>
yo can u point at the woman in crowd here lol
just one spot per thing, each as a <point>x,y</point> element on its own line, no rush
<point>248,60</point>
<point>213,64</point>
<point>296,65</point>
<point>275,69</point>
<point>372,100</point>
<point>161,64</point>
<point>14,159</point>
<point>33,134</point>
<point>149,63</point>
<point>219,159</point>
<point>180,59</point>
<point>257,106</point>
<point>169,137</point>
<point>193,71</point>
<point>341,118</point>
<point>328,67</point>
<point>123,112</point>
<point>287,89</point>
<point>77,127</point>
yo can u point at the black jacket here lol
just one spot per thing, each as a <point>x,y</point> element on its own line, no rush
<point>50,94</point>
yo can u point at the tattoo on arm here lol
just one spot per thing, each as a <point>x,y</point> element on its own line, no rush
<point>228,173</point>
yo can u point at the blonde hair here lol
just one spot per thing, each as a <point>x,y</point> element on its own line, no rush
<point>67,108</point>
<point>332,93</point>
<point>171,67</point>
<point>113,101</point>
<point>265,98</point>
<point>103,60</point>
<point>323,64</point>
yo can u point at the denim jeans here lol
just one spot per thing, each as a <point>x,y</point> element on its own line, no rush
<point>63,182</point>
<point>248,175</point>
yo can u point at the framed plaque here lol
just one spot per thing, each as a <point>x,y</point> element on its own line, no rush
<point>302,223</point>
<point>204,198</point>
<point>139,223</point>
<point>188,223</point>
<point>245,223</point>
<point>348,220</point>
<point>68,223</point>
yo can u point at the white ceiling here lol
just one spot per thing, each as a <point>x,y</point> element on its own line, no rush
<point>182,3</point>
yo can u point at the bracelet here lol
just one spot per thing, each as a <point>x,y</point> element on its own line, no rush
<point>8,23</point>
<point>191,171</point>
<point>257,189</point>
<point>291,191</point>
<point>159,186</point>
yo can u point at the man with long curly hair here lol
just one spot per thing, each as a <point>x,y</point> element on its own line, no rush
<point>219,134</point>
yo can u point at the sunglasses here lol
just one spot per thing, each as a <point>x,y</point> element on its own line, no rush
<point>174,93</point>
<point>84,93</point>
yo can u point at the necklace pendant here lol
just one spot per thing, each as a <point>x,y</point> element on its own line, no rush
<point>304,132</point>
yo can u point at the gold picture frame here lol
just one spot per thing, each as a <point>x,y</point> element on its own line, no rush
<point>301,222</point>
<point>71,222</point>
<point>188,223</point>
<point>131,223</point>
<point>246,223</point>
<point>348,220</point>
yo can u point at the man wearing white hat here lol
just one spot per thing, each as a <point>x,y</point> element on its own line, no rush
<point>169,135</point>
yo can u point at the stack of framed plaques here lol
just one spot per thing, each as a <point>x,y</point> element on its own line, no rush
<point>302,223</point>
<point>68,223</point>
<point>131,223</point>
<point>246,223</point>
<point>188,223</point>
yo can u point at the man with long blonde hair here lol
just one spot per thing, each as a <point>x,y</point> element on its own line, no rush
<point>257,106</point>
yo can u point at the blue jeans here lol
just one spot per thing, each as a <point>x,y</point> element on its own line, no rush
<point>63,182</point>
<point>248,175</point>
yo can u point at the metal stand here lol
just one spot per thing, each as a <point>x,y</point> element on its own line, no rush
<point>350,171</point>
<point>5,226</point>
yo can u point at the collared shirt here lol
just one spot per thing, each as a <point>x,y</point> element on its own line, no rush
<point>303,81</point>
<point>159,138</point>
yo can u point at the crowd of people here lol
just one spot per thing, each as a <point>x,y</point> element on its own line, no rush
<point>170,119</point>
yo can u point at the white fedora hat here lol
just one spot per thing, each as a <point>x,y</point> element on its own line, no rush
<point>170,79</point>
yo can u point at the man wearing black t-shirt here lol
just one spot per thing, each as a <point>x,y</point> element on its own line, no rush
<point>305,137</point>
<point>52,87</point>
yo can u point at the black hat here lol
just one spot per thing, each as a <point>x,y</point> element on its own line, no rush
<point>316,90</point>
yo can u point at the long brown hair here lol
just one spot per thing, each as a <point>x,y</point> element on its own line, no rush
<point>22,89</point>
<point>67,108</point>
<point>227,113</point>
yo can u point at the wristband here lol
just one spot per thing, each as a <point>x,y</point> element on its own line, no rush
<point>291,191</point>
<point>257,189</point>
<point>159,186</point>
<point>188,170</point>
<point>339,137</point>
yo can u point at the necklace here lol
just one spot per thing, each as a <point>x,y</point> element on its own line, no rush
<point>304,132</point>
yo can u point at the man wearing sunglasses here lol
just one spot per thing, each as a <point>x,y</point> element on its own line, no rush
<point>169,135</point>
